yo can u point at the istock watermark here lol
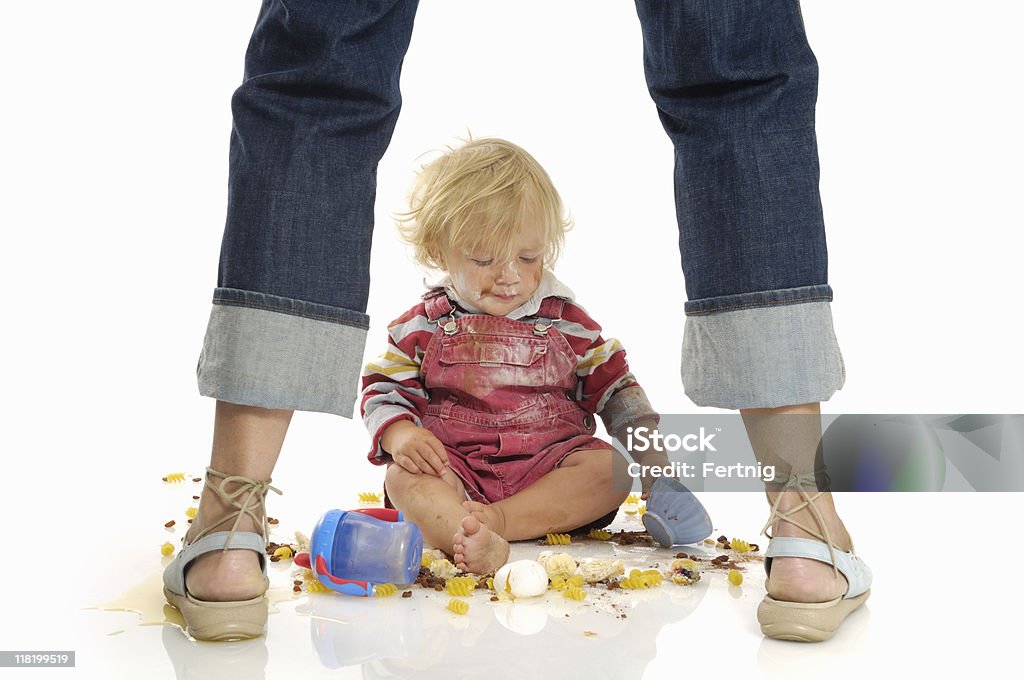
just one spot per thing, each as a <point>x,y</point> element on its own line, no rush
<point>840,452</point>
<point>691,471</point>
<point>641,439</point>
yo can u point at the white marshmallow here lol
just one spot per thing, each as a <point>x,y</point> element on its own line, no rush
<point>523,578</point>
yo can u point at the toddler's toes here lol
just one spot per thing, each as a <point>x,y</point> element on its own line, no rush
<point>471,525</point>
<point>473,506</point>
<point>483,551</point>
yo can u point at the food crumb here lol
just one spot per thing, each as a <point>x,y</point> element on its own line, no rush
<point>197,479</point>
<point>169,524</point>
<point>407,593</point>
<point>589,633</point>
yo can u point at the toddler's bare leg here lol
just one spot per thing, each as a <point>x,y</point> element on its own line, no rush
<point>246,441</point>
<point>435,505</point>
<point>577,492</point>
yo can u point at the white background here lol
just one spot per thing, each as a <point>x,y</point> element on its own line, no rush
<point>114,162</point>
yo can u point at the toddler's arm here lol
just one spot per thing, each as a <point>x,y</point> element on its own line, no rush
<point>608,388</point>
<point>392,389</point>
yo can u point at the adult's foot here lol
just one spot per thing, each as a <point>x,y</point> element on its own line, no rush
<point>796,579</point>
<point>223,575</point>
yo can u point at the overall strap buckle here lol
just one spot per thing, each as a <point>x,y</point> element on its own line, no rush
<point>542,326</point>
<point>549,313</point>
<point>438,307</point>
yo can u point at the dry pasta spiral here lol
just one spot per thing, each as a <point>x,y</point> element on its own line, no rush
<point>460,585</point>
<point>574,593</point>
<point>558,539</point>
<point>385,589</point>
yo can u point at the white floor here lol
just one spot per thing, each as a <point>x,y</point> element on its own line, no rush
<point>115,201</point>
<point>947,599</point>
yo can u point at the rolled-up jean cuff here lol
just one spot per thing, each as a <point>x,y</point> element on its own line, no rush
<point>762,350</point>
<point>275,352</point>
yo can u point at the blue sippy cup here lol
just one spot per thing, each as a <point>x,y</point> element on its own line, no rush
<point>350,551</point>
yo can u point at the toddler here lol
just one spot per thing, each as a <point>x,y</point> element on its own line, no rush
<point>483,403</point>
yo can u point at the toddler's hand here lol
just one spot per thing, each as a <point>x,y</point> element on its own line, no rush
<point>414,448</point>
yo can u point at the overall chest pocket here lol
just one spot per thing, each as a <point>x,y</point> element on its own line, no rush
<point>483,363</point>
<point>487,350</point>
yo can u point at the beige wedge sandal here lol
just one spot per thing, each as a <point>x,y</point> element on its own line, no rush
<point>220,621</point>
<point>810,621</point>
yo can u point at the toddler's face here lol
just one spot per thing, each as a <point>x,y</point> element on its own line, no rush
<point>494,287</point>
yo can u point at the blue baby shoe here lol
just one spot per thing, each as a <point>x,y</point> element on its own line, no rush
<point>674,516</point>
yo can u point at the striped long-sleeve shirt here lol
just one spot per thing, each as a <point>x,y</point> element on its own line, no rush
<point>392,389</point>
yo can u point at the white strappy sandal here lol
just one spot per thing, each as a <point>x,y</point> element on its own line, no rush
<point>207,620</point>
<point>810,621</point>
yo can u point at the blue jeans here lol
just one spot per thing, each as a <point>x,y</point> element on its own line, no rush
<point>735,88</point>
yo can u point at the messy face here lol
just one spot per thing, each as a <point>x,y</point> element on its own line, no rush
<point>494,285</point>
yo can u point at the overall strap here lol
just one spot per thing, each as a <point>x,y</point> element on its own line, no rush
<point>550,311</point>
<point>437,304</point>
<point>551,308</point>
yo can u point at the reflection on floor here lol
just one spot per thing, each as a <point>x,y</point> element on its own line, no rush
<point>418,636</point>
<point>917,619</point>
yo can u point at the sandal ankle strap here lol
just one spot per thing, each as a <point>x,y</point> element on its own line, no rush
<point>255,494</point>
<point>797,482</point>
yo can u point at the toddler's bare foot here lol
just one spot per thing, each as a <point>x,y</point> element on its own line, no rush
<point>477,549</point>
<point>795,579</point>
<point>488,514</point>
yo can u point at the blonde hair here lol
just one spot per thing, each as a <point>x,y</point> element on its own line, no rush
<point>478,197</point>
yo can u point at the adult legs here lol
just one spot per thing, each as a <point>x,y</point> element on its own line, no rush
<point>735,85</point>
<point>246,443</point>
<point>311,120</point>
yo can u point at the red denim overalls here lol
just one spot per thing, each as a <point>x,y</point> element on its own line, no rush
<point>502,397</point>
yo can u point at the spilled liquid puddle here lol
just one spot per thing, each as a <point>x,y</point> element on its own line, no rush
<point>277,595</point>
<point>146,599</point>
